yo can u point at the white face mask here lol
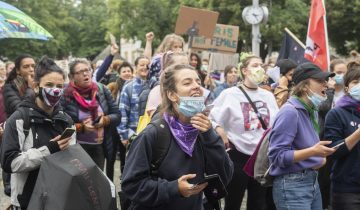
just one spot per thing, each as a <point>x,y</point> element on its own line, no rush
<point>257,75</point>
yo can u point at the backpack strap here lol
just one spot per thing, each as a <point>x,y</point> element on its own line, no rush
<point>161,146</point>
<point>25,112</point>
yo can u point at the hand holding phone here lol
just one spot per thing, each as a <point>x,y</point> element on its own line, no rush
<point>215,189</point>
<point>337,145</point>
<point>97,120</point>
<point>68,132</point>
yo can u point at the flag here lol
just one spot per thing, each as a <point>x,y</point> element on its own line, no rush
<point>317,49</point>
<point>292,49</point>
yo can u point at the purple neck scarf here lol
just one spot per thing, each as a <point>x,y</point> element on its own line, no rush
<point>347,101</point>
<point>185,134</point>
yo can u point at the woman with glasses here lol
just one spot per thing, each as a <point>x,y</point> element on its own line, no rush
<point>93,110</point>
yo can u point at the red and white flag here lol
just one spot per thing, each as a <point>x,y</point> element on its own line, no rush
<point>317,48</point>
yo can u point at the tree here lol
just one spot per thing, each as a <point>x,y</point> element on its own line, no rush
<point>55,17</point>
<point>343,25</point>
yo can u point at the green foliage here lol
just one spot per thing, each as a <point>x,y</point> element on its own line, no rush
<point>343,25</point>
<point>80,27</point>
<point>77,30</point>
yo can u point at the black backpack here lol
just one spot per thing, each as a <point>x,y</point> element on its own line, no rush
<point>159,152</point>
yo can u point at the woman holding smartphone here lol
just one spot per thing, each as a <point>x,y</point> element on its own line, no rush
<point>23,150</point>
<point>194,149</point>
<point>342,128</point>
<point>295,150</point>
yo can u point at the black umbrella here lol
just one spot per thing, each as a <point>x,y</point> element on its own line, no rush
<point>71,180</point>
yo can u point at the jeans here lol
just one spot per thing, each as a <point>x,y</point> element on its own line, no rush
<point>297,191</point>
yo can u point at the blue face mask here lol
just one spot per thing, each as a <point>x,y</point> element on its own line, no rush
<point>316,99</point>
<point>339,79</point>
<point>355,92</point>
<point>190,106</point>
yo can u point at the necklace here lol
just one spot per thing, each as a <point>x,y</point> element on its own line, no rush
<point>249,87</point>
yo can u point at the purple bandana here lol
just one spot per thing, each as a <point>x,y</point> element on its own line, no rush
<point>185,134</point>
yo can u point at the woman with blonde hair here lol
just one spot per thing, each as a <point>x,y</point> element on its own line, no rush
<point>241,127</point>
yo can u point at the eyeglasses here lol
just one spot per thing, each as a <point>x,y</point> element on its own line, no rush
<point>83,71</point>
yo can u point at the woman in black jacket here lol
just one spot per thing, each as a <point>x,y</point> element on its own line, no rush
<point>18,86</point>
<point>24,147</point>
<point>194,149</point>
<point>19,83</point>
<point>93,110</point>
<point>342,127</point>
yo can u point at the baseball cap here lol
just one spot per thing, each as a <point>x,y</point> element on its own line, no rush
<point>309,70</point>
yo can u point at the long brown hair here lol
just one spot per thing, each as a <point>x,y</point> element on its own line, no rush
<point>168,84</point>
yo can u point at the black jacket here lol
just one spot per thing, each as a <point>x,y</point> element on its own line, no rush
<point>148,192</point>
<point>12,98</point>
<point>339,124</point>
<point>105,100</point>
<point>22,154</point>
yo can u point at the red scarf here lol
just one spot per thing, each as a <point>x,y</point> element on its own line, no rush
<point>78,92</point>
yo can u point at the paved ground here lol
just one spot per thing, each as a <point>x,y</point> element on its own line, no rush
<point>5,201</point>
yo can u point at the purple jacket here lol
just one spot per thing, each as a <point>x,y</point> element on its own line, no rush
<point>292,130</point>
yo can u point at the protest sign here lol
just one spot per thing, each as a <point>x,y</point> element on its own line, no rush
<point>224,39</point>
<point>196,22</point>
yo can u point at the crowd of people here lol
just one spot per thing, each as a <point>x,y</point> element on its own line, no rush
<point>173,123</point>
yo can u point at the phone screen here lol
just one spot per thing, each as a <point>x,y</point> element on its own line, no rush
<point>338,145</point>
<point>97,120</point>
<point>67,133</point>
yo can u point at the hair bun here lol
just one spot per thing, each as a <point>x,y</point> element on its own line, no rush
<point>46,62</point>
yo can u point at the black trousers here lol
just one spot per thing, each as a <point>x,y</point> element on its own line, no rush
<point>345,201</point>
<point>325,182</point>
<point>240,182</point>
<point>110,162</point>
<point>96,152</point>
<point>122,151</point>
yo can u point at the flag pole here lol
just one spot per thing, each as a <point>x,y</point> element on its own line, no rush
<point>326,39</point>
<point>295,38</point>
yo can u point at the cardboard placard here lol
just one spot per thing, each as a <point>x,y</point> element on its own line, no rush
<point>225,39</point>
<point>197,22</point>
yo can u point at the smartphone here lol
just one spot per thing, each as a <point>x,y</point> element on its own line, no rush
<point>208,108</point>
<point>215,189</point>
<point>97,120</point>
<point>338,145</point>
<point>67,133</point>
<point>208,178</point>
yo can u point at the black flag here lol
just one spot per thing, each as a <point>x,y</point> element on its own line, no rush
<point>291,49</point>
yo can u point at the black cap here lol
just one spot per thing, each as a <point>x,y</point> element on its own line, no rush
<point>285,65</point>
<point>309,70</point>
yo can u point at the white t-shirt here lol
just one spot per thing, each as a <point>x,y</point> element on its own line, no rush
<point>233,112</point>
